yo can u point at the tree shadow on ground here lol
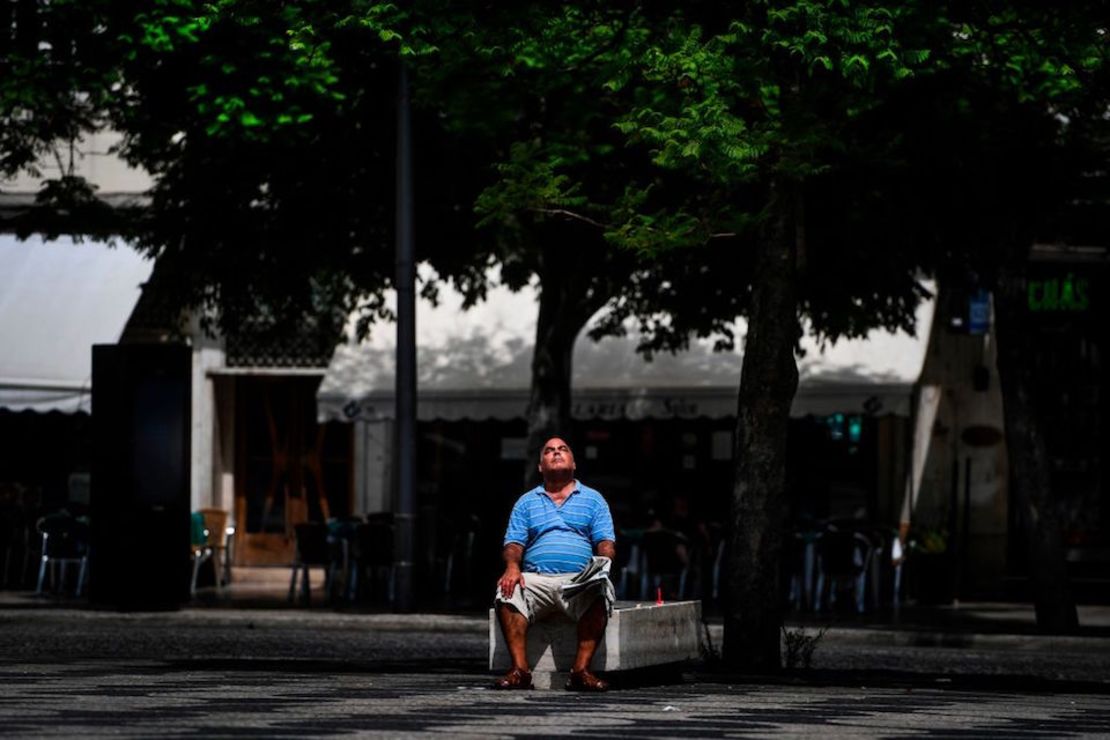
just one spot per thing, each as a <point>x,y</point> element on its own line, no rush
<point>909,681</point>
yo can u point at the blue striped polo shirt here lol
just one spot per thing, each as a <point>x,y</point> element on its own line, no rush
<point>559,539</point>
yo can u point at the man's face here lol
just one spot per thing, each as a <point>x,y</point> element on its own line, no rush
<point>556,456</point>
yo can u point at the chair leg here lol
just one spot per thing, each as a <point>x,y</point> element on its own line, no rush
<point>42,574</point>
<point>896,601</point>
<point>193,579</point>
<point>229,556</point>
<point>81,574</point>
<point>293,581</point>
<point>352,582</point>
<point>718,559</point>
<point>216,569</point>
<point>306,586</point>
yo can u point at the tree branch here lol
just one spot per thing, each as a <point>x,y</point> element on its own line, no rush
<point>617,38</point>
<point>572,215</point>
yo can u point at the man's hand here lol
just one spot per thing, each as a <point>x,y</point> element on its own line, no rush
<point>512,554</point>
<point>607,549</point>
<point>510,579</point>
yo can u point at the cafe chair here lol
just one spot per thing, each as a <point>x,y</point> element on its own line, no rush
<point>65,542</point>
<point>312,549</point>
<point>373,557</point>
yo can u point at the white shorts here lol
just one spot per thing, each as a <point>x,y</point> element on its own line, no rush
<point>568,594</point>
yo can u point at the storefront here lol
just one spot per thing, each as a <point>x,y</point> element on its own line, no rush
<point>656,437</point>
<point>57,299</point>
<point>1067,314</point>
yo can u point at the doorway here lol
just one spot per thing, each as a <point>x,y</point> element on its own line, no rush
<point>289,469</point>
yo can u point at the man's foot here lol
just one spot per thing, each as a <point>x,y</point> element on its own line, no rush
<point>514,679</point>
<point>586,681</point>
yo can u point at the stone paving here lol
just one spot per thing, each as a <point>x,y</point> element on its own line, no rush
<point>81,673</point>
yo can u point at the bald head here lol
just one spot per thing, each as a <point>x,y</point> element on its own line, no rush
<point>556,460</point>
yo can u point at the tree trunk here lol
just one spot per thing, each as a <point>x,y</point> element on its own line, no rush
<point>1030,480</point>
<point>769,379</point>
<point>549,396</point>
<point>570,293</point>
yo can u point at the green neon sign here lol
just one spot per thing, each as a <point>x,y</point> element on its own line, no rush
<point>1055,294</point>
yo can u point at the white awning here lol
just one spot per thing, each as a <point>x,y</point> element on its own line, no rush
<point>476,365</point>
<point>58,299</point>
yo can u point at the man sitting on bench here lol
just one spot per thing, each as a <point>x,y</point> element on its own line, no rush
<point>551,568</point>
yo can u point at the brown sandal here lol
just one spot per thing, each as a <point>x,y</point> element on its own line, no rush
<point>515,679</point>
<point>586,681</point>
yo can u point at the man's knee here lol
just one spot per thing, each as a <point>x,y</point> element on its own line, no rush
<point>598,610</point>
<point>506,607</point>
<point>509,613</point>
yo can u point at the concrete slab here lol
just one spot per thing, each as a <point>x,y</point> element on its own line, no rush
<point>638,636</point>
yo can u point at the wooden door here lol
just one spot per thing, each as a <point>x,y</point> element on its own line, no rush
<point>280,478</point>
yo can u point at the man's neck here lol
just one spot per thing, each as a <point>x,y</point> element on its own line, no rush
<point>558,486</point>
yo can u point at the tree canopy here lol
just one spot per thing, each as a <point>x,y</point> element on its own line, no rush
<point>782,159</point>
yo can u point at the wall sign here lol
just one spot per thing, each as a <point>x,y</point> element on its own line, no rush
<point>1066,294</point>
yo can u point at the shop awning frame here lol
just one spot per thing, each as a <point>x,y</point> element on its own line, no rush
<point>475,364</point>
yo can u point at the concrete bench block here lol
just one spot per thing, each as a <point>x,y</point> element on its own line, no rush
<point>638,636</point>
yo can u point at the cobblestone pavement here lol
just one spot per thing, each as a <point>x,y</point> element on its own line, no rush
<point>81,673</point>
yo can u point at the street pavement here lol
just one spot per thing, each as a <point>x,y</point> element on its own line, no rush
<point>78,672</point>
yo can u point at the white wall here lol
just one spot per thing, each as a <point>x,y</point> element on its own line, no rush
<point>92,159</point>
<point>208,353</point>
<point>373,462</point>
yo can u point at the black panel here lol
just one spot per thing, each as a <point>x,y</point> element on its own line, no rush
<point>139,503</point>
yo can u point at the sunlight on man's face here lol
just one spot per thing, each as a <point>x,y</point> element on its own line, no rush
<point>556,455</point>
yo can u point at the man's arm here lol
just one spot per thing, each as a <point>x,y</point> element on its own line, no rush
<point>607,549</point>
<point>513,554</point>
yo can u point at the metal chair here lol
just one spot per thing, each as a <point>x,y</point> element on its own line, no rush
<point>458,570</point>
<point>630,564</point>
<point>218,538</point>
<point>341,534</point>
<point>800,556</point>
<point>14,544</point>
<point>312,549</point>
<point>65,542</point>
<point>200,550</point>
<point>844,561</point>
<point>373,555</point>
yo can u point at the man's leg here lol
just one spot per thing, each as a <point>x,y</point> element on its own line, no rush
<point>591,628</point>
<point>514,626</point>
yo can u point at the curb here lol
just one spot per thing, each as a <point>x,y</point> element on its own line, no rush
<point>849,637</point>
<point>839,637</point>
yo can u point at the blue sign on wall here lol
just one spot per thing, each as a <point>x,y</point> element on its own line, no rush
<point>979,312</point>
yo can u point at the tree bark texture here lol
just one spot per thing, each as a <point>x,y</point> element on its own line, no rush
<point>769,379</point>
<point>1030,479</point>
